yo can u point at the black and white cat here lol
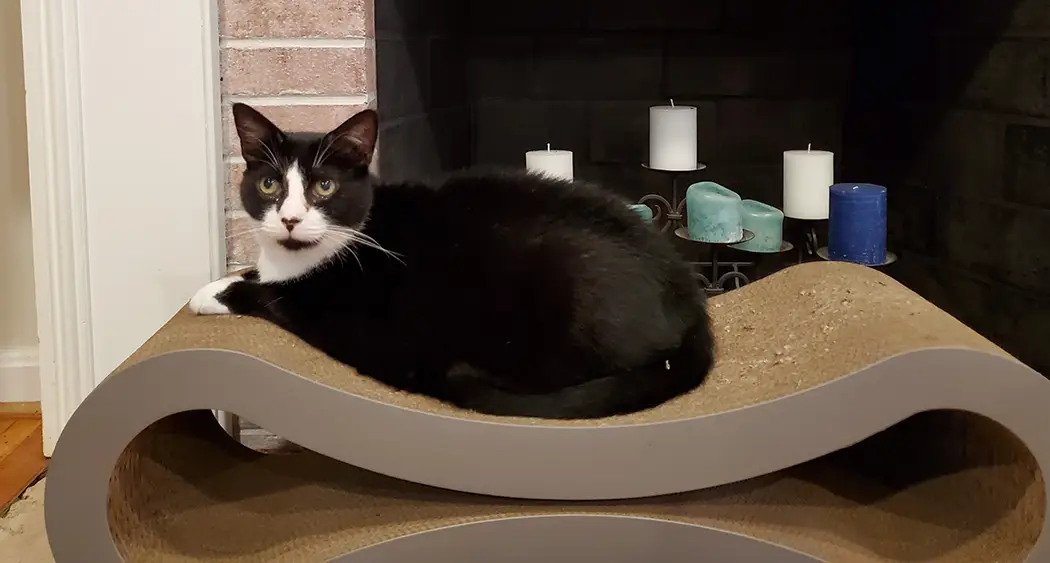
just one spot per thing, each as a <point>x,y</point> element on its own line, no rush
<point>503,292</point>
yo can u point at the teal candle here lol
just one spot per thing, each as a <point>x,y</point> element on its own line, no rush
<point>713,213</point>
<point>644,210</point>
<point>766,221</point>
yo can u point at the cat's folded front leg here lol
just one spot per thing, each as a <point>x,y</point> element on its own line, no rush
<point>237,294</point>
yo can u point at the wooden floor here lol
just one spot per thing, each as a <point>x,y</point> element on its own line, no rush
<point>22,458</point>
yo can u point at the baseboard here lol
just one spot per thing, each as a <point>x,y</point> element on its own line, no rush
<point>19,375</point>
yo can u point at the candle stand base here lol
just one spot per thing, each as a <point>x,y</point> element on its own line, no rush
<point>890,257</point>
<point>716,276</point>
<point>807,234</point>
<point>668,214</point>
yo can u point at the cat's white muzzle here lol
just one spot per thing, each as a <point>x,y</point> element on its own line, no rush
<point>297,231</point>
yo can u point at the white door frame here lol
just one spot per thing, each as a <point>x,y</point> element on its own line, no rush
<point>125,157</point>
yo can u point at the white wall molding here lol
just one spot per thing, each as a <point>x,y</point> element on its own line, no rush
<point>50,41</point>
<point>213,134</point>
<point>19,375</point>
<point>118,247</point>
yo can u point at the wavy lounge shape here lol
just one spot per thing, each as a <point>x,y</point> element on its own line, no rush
<point>847,420</point>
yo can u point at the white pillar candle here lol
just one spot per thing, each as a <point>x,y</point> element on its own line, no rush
<point>808,176</point>
<point>555,163</point>
<point>672,137</point>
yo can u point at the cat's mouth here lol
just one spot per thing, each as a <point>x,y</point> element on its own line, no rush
<point>296,244</point>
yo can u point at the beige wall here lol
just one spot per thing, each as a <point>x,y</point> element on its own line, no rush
<point>17,310</point>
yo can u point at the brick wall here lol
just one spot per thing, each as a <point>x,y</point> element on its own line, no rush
<point>953,115</point>
<point>306,65</point>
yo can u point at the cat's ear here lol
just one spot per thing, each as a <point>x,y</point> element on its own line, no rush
<point>356,137</point>
<point>259,136</point>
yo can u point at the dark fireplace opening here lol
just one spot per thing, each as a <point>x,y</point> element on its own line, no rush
<point>945,102</point>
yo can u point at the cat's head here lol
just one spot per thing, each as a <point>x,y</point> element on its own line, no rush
<point>309,193</point>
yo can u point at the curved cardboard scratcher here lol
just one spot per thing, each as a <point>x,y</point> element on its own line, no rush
<point>847,419</point>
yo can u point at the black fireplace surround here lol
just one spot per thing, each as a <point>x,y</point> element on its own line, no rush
<point>946,102</point>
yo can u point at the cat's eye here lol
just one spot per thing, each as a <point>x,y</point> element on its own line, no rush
<point>324,188</point>
<point>268,186</point>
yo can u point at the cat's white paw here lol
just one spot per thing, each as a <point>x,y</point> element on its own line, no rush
<point>205,301</point>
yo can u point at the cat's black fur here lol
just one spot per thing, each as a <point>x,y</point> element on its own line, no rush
<point>511,294</point>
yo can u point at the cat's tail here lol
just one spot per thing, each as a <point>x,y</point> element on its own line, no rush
<point>677,373</point>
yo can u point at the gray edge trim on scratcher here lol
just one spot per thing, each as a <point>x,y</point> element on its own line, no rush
<point>511,460</point>
<point>570,539</point>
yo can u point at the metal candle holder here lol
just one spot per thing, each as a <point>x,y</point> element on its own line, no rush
<point>715,276</point>
<point>716,282</point>
<point>891,257</point>
<point>670,212</point>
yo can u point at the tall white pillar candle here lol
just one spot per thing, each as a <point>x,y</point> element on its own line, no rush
<point>672,137</point>
<point>808,176</point>
<point>557,163</point>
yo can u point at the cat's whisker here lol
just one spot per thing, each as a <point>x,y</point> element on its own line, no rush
<point>350,231</point>
<point>238,235</point>
<point>333,232</point>
<point>360,266</point>
<point>274,301</point>
<point>338,255</point>
<point>269,153</point>
<point>273,157</point>
<point>357,237</point>
<point>341,241</point>
<point>344,237</point>
<point>365,242</point>
<point>322,153</point>
<point>242,233</point>
<point>389,253</point>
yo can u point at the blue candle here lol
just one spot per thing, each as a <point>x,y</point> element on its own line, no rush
<point>857,224</point>
<point>643,210</point>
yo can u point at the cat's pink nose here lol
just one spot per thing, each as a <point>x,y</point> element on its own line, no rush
<point>291,222</point>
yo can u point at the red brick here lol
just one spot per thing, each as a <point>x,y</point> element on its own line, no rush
<point>234,173</point>
<point>330,19</point>
<point>241,246</point>
<point>318,119</point>
<point>317,71</point>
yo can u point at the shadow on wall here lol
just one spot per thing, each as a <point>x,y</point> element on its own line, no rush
<point>915,63</point>
<point>420,74</point>
<point>17,293</point>
<point>949,110</point>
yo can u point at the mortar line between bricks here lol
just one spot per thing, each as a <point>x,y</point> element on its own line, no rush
<point>298,43</point>
<point>303,100</point>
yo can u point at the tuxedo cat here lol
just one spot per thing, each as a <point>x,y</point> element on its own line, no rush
<point>503,292</point>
